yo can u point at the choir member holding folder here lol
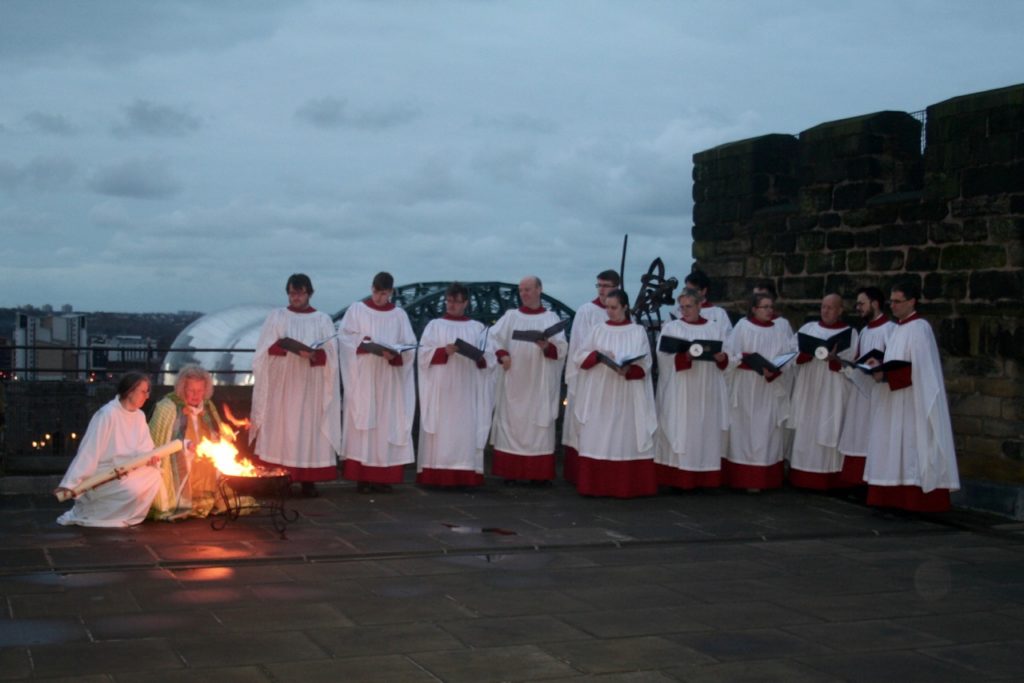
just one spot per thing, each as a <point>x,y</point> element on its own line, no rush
<point>615,407</point>
<point>911,462</point>
<point>377,355</point>
<point>758,400</point>
<point>693,412</point>
<point>296,396</point>
<point>528,387</point>
<point>820,394</point>
<point>456,375</point>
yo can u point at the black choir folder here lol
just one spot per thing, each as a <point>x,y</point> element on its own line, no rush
<point>540,335</point>
<point>468,350</point>
<point>759,363</point>
<point>838,342</point>
<point>617,364</point>
<point>378,348</point>
<point>295,346</point>
<point>877,355</point>
<point>709,347</point>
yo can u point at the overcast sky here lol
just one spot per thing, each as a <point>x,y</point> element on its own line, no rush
<point>191,154</point>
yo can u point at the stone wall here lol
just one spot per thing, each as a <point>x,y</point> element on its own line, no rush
<point>855,202</point>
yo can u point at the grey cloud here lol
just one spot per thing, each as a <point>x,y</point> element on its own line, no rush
<point>148,118</point>
<point>54,124</point>
<point>40,174</point>
<point>332,112</point>
<point>136,179</point>
<point>517,122</point>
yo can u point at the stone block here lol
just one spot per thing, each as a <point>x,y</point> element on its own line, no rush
<point>711,230</point>
<point>976,230</point>
<point>1013,409</point>
<point>819,263</point>
<point>923,259</point>
<point>845,285</point>
<point>831,220</point>
<point>774,266</point>
<point>867,238</point>
<point>957,384</point>
<point>811,241</point>
<point>899,235</point>
<point>972,257</point>
<point>954,336</point>
<point>856,261</point>
<point>1013,449</point>
<point>703,250</point>
<point>784,243</point>
<point>1015,254</point>
<point>983,445</point>
<point>946,231</point>
<point>966,426</point>
<point>978,405</point>
<point>989,180</point>
<point>986,205</point>
<point>801,223</point>
<point>925,210</point>
<point>993,285</point>
<point>731,267</point>
<point>733,246</point>
<point>802,287</point>
<point>755,266</point>
<point>952,286</point>
<point>836,239</point>
<point>794,263</point>
<point>1008,228</point>
<point>885,260</point>
<point>1017,203</point>
<point>854,195</point>
<point>1003,429</point>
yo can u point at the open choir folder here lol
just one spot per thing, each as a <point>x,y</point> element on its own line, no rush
<point>618,364</point>
<point>540,335</point>
<point>295,346</point>
<point>759,363</point>
<point>466,349</point>
<point>707,347</point>
<point>378,348</point>
<point>808,343</point>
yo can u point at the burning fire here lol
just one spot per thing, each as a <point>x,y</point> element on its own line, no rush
<point>230,417</point>
<point>224,455</point>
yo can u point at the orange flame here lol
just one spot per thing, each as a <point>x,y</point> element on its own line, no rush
<point>224,455</point>
<point>230,417</point>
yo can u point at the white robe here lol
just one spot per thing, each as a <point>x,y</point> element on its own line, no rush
<point>456,398</point>
<point>911,441</point>
<point>380,398</point>
<point>526,396</point>
<point>857,425</point>
<point>617,416</point>
<point>757,409</point>
<point>819,406</point>
<point>115,437</point>
<point>295,406</point>
<point>588,316</point>
<point>693,409</point>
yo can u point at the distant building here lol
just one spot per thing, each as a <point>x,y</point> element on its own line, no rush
<point>50,347</point>
<point>121,351</point>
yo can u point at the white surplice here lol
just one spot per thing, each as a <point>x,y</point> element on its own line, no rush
<point>588,316</point>
<point>617,416</point>
<point>758,409</point>
<point>456,397</point>
<point>819,406</point>
<point>296,405</point>
<point>526,395</point>
<point>857,426</point>
<point>693,409</point>
<point>114,438</point>
<point>380,398</point>
<point>911,442</point>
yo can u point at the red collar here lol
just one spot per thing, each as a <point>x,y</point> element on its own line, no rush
<point>308,309</point>
<point>909,319</point>
<point>700,321</point>
<point>460,318</point>
<point>755,321</point>
<point>616,324</point>
<point>879,321</point>
<point>840,325</point>
<point>597,302</point>
<point>389,306</point>
<point>532,311</point>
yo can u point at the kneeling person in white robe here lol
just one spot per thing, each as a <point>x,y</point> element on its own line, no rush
<point>117,434</point>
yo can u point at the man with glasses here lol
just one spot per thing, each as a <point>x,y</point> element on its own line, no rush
<point>874,336</point>
<point>588,315</point>
<point>911,461</point>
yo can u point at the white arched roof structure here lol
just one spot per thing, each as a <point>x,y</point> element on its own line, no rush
<point>221,342</point>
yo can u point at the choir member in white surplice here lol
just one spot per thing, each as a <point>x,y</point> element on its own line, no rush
<point>456,396</point>
<point>911,459</point>
<point>820,395</point>
<point>874,336</point>
<point>588,316</point>
<point>528,389</point>
<point>117,434</point>
<point>758,403</point>
<point>380,396</point>
<point>615,407</point>
<point>693,410</point>
<point>296,397</point>
<point>699,282</point>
